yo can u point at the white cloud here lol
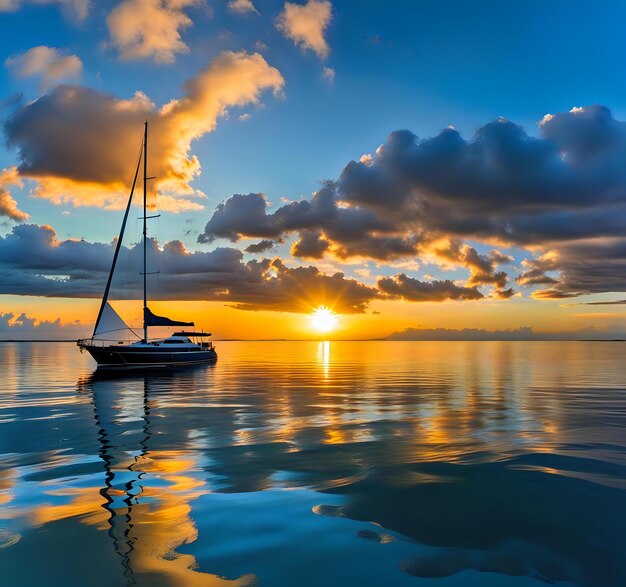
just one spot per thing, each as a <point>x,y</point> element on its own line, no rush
<point>150,29</point>
<point>305,25</point>
<point>78,9</point>
<point>242,6</point>
<point>328,74</point>
<point>51,65</point>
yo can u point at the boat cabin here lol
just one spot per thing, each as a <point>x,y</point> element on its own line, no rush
<point>177,340</point>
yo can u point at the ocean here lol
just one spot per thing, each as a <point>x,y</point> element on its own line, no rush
<point>317,464</point>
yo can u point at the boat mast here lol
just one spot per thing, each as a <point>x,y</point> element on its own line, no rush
<point>145,179</point>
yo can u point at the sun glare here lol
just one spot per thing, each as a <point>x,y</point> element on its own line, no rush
<point>323,319</point>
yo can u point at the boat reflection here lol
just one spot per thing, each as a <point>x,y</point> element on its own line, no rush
<point>147,491</point>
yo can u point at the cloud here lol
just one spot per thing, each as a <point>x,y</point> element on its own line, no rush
<point>483,268</point>
<point>310,245</point>
<point>588,266</point>
<point>64,138</point>
<point>354,232</point>
<point>150,29</point>
<point>78,9</point>
<point>301,289</point>
<point>608,303</point>
<point>536,270</point>
<point>306,24</point>
<point>328,74</point>
<point>502,184</point>
<point>323,227</point>
<point>51,65</point>
<point>242,7</point>
<point>261,246</point>
<point>78,269</point>
<point>561,196</point>
<point>413,290</point>
<point>8,206</point>
<point>19,327</point>
<point>445,200</point>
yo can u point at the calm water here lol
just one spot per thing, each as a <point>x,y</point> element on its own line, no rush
<point>317,464</point>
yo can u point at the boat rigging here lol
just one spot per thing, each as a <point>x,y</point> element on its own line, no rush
<point>182,348</point>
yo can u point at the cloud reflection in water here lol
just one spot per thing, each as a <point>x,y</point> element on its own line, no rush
<point>337,463</point>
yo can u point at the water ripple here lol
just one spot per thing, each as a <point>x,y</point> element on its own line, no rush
<point>491,464</point>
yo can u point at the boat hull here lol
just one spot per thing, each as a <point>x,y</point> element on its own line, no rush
<point>116,357</point>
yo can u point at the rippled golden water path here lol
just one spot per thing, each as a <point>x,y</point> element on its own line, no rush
<point>306,464</point>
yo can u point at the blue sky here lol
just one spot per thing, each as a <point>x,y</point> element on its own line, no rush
<point>415,65</point>
<point>421,66</point>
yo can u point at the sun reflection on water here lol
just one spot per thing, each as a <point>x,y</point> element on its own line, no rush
<point>432,442</point>
<point>324,356</point>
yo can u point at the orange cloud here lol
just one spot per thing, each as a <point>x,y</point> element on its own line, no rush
<point>8,206</point>
<point>80,144</point>
<point>306,25</point>
<point>149,29</point>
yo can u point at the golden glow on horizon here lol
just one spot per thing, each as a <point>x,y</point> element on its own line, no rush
<point>323,319</point>
<point>383,317</point>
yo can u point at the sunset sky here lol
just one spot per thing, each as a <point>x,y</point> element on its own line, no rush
<point>407,164</point>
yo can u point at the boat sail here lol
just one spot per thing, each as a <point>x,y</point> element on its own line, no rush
<point>182,348</point>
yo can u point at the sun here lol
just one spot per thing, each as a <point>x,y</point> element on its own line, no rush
<point>323,319</point>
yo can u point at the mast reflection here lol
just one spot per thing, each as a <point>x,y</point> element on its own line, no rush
<point>119,502</point>
<point>147,491</point>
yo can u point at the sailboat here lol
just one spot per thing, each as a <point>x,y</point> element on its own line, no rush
<point>185,347</point>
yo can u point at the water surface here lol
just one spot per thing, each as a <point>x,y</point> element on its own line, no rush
<point>309,464</point>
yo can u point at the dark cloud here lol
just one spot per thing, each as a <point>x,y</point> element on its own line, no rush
<point>78,269</point>
<point>503,294</point>
<point>536,271</point>
<point>311,244</point>
<point>502,184</point>
<point>262,246</point>
<point>80,144</point>
<point>588,266</point>
<point>354,232</point>
<point>554,194</point>
<point>612,303</point>
<point>241,214</point>
<point>555,294</point>
<point>15,327</point>
<point>501,168</point>
<point>561,196</point>
<point>35,262</point>
<point>414,290</point>
<point>246,215</point>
